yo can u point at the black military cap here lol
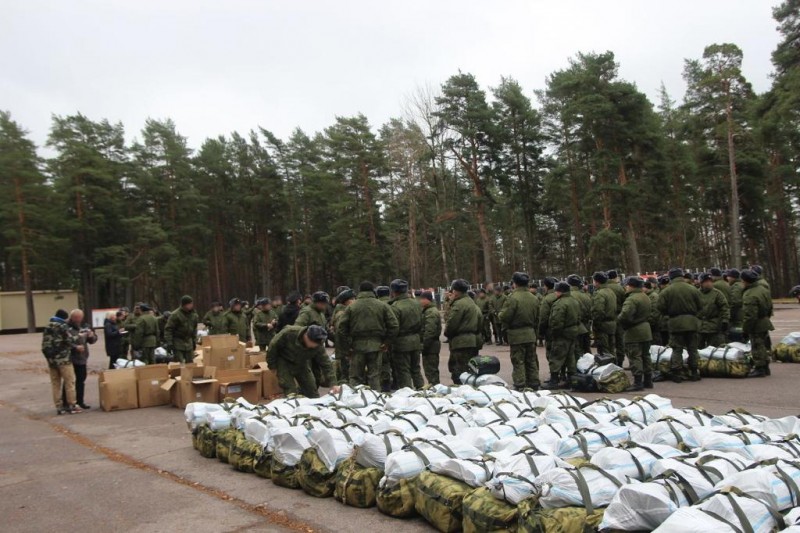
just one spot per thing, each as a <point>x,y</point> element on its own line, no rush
<point>520,278</point>
<point>460,285</point>
<point>234,301</point>
<point>549,282</point>
<point>705,276</point>
<point>733,273</point>
<point>612,274</point>
<point>600,277</point>
<point>399,285</point>
<point>675,273</point>
<point>758,269</point>
<point>635,282</point>
<point>320,296</point>
<point>574,280</point>
<point>345,296</point>
<point>317,333</point>
<point>382,290</point>
<point>716,272</point>
<point>562,287</point>
<point>426,295</point>
<point>795,291</point>
<point>749,276</point>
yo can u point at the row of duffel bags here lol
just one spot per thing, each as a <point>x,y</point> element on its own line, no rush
<point>447,504</point>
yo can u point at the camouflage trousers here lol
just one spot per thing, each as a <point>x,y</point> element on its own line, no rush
<point>711,339</point>
<point>297,378</point>
<point>619,342</point>
<point>183,356</point>
<point>525,363</point>
<point>457,364</point>
<point>562,351</point>
<point>606,342</point>
<point>760,352</point>
<point>679,341</point>
<point>639,357</point>
<point>430,364</point>
<point>342,368</point>
<point>148,355</point>
<point>387,376</point>
<point>406,370</point>
<point>365,369</point>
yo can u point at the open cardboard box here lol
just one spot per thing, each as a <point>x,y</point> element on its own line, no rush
<point>149,380</point>
<point>118,390</point>
<point>195,384</point>
<point>238,383</point>
<point>270,389</point>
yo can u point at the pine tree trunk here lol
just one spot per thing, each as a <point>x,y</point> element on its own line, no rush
<point>736,245</point>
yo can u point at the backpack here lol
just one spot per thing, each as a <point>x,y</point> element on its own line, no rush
<point>484,364</point>
<point>53,343</point>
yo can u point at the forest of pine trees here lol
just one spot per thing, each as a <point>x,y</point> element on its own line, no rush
<point>469,181</point>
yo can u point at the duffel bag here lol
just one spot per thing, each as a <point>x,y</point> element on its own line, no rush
<point>438,499</point>
<point>613,380</point>
<point>243,455</point>
<point>284,475</point>
<point>723,368</point>
<point>397,500</point>
<point>263,464</point>
<point>204,440</point>
<point>484,364</point>
<point>534,519</point>
<point>583,382</point>
<point>356,485</point>
<point>483,512</point>
<point>786,353</point>
<point>225,440</point>
<point>314,477</point>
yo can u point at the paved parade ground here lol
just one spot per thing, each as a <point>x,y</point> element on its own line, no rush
<point>137,471</point>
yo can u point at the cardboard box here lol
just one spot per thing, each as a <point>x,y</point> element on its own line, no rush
<point>220,341</point>
<point>148,384</point>
<point>270,387</point>
<point>238,383</point>
<point>257,373</point>
<point>118,390</point>
<point>226,358</point>
<point>254,359</point>
<point>152,372</point>
<point>195,384</point>
<point>174,369</point>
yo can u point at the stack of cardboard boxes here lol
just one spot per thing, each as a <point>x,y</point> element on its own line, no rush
<point>222,369</point>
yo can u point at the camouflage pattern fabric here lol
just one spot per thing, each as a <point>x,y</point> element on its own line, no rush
<point>723,368</point>
<point>786,353</point>
<point>262,467</point>
<point>397,501</point>
<point>534,519</point>
<point>483,512</point>
<point>314,477</point>
<point>284,475</point>
<point>204,440</point>
<point>439,499</point>
<point>225,440</point>
<point>615,383</point>
<point>357,486</point>
<point>243,455</point>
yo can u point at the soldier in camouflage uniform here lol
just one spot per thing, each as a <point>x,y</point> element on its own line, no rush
<point>583,344</point>
<point>383,294</point>
<point>720,284</point>
<point>462,329</point>
<point>756,323</point>
<point>58,341</point>
<point>663,325</point>
<point>367,327</point>
<point>485,305</point>
<point>737,289</point>
<point>564,327</point>
<point>430,335</point>
<point>214,319</point>
<point>497,301</point>
<point>125,340</point>
<point>604,315</point>
<point>314,314</point>
<point>406,345</point>
<point>544,314</point>
<point>146,334</point>
<point>655,315</point>
<point>290,354</point>
<point>180,333</point>
<point>714,314</point>
<point>265,321</point>
<point>619,292</point>
<point>130,326</point>
<point>635,321</point>
<point>680,301</point>
<point>236,321</point>
<point>519,317</point>
<point>343,300</point>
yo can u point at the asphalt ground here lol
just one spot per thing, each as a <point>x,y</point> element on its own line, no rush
<point>137,471</point>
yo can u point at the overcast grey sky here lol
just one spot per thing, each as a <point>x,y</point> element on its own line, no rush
<point>221,66</point>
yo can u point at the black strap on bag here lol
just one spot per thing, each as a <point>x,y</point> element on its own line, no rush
<point>686,487</point>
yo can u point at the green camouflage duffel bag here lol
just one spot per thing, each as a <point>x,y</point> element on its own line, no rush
<point>483,513</point>
<point>724,368</point>
<point>204,440</point>
<point>397,501</point>
<point>243,455</point>
<point>438,499</point>
<point>356,485</point>
<point>614,383</point>
<point>225,441</point>
<point>535,519</point>
<point>284,475</point>
<point>786,353</point>
<point>314,477</point>
<point>263,464</point>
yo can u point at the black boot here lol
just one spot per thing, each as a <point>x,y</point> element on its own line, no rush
<point>694,375</point>
<point>552,384</point>
<point>638,384</point>
<point>758,373</point>
<point>648,381</point>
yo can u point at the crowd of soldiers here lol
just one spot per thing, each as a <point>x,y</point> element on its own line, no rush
<point>388,337</point>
